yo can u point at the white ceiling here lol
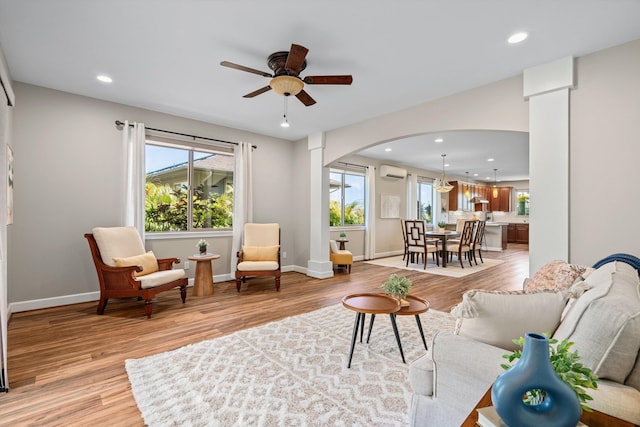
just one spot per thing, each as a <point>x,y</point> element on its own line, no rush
<point>466,151</point>
<point>164,55</point>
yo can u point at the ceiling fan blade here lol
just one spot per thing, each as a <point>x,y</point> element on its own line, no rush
<point>328,80</point>
<point>296,58</point>
<point>243,68</point>
<point>305,98</point>
<point>257,92</point>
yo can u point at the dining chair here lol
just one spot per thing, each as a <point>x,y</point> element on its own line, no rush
<point>404,238</point>
<point>463,246</point>
<point>417,243</point>
<point>478,237</point>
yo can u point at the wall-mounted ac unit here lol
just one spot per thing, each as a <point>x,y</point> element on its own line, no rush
<point>387,171</point>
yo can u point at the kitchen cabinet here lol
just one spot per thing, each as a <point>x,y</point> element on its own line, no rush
<point>502,203</point>
<point>511,233</point>
<point>453,196</point>
<point>522,233</point>
<point>518,233</point>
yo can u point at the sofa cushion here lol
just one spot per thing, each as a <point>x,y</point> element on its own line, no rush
<point>260,253</point>
<point>147,261</point>
<point>554,276</point>
<point>497,318</point>
<point>604,323</point>
<point>421,375</point>
<point>160,278</point>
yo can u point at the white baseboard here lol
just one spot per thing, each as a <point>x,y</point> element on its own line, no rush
<point>17,307</point>
<point>36,304</point>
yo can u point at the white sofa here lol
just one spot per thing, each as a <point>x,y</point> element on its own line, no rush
<point>602,319</point>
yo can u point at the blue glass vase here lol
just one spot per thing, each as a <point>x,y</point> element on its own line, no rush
<point>560,407</point>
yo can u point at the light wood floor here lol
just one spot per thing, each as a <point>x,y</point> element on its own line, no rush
<point>66,364</point>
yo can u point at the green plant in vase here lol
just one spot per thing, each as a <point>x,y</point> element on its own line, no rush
<point>442,225</point>
<point>397,286</point>
<point>202,246</point>
<point>566,364</point>
<point>343,234</point>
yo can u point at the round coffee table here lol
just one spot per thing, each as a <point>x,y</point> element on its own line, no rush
<point>372,304</point>
<point>416,307</point>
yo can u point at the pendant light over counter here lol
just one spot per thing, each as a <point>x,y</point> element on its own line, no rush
<point>495,184</point>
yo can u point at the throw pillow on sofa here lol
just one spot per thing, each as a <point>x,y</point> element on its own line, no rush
<point>496,318</point>
<point>604,322</point>
<point>555,276</point>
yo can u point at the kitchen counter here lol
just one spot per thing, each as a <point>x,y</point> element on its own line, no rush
<point>495,236</point>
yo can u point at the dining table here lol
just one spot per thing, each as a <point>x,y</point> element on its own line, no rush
<point>443,236</point>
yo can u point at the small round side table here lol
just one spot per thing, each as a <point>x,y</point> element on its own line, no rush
<point>203,282</point>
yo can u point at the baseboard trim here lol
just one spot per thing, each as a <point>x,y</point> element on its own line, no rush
<point>37,304</point>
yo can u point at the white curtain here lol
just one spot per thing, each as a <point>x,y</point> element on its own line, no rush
<point>133,140</point>
<point>370,213</point>
<point>412,196</point>
<point>242,196</point>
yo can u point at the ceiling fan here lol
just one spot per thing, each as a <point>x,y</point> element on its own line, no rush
<point>286,80</point>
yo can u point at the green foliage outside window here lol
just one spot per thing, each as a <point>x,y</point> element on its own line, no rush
<point>166,208</point>
<point>353,213</point>
<point>425,211</point>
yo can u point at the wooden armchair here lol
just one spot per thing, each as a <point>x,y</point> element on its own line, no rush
<point>125,270</point>
<point>260,254</point>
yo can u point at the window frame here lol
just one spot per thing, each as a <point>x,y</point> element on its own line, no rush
<point>349,171</point>
<point>426,181</point>
<point>191,147</point>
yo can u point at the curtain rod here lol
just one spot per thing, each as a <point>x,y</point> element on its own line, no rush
<point>351,164</point>
<point>119,123</point>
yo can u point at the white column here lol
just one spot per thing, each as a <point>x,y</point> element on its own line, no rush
<point>318,265</point>
<point>547,88</point>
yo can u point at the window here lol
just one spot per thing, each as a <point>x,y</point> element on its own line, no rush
<point>188,187</point>
<point>522,197</point>
<point>425,200</point>
<point>346,198</point>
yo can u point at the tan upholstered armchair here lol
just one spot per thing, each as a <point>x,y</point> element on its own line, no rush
<point>260,253</point>
<point>126,270</point>
<point>340,256</point>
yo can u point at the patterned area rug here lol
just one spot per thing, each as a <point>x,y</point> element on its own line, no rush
<point>292,372</point>
<point>453,268</point>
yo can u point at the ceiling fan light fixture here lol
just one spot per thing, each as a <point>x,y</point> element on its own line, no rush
<point>286,85</point>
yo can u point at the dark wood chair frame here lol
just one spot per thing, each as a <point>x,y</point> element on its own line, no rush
<point>415,238</point>
<point>118,282</point>
<point>241,276</point>
<point>466,239</point>
<point>477,241</point>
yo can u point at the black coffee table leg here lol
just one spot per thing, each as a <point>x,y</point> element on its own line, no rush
<point>421,332</point>
<point>362,317</point>
<point>353,337</point>
<point>395,331</point>
<point>373,317</point>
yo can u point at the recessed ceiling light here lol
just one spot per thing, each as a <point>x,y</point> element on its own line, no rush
<point>517,37</point>
<point>487,178</point>
<point>104,79</point>
<point>475,174</point>
<point>447,165</point>
<point>438,140</point>
<point>491,159</point>
<point>387,149</point>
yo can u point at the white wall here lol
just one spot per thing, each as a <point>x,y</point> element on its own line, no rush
<point>68,180</point>
<point>604,154</point>
<point>604,146</point>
